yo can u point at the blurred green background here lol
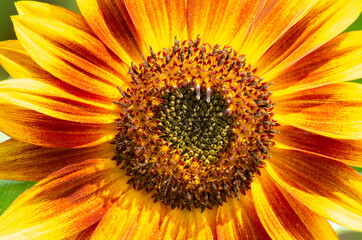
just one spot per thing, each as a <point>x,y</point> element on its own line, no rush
<point>9,190</point>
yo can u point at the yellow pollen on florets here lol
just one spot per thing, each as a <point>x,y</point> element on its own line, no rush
<point>195,125</point>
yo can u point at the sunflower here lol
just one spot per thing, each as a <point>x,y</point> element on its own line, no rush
<point>183,120</point>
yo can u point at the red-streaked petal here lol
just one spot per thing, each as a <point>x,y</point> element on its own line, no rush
<point>134,216</point>
<point>269,23</point>
<point>110,20</point>
<point>329,188</point>
<point>68,89</point>
<point>52,101</point>
<point>343,150</point>
<point>25,162</point>
<point>71,54</point>
<point>17,62</point>
<point>338,60</point>
<point>158,22</point>
<point>35,128</point>
<point>284,217</point>
<point>65,203</point>
<point>237,219</point>
<point>183,224</point>
<point>325,20</point>
<point>333,110</point>
<point>219,21</point>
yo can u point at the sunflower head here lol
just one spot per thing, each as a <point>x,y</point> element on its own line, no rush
<point>195,125</point>
<point>135,133</point>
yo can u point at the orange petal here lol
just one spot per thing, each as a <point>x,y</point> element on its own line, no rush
<point>71,54</point>
<point>134,216</point>
<point>111,22</point>
<point>85,234</point>
<point>54,102</point>
<point>65,203</point>
<point>333,110</point>
<point>323,21</point>
<point>283,216</point>
<point>25,162</point>
<point>17,62</point>
<point>343,150</point>
<point>35,128</point>
<point>158,22</point>
<point>183,224</point>
<point>336,61</point>
<point>329,188</point>
<point>237,219</point>
<point>219,21</point>
<point>270,22</point>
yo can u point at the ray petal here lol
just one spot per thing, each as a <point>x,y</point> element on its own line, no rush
<point>237,219</point>
<point>322,22</point>
<point>112,23</point>
<point>54,102</point>
<point>65,203</point>
<point>284,217</point>
<point>38,129</point>
<point>336,61</point>
<point>271,20</point>
<point>183,224</point>
<point>17,62</point>
<point>347,151</point>
<point>134,216</point>
<point>25,162</point>
<point>158,22</point>
<point>71,54</point>
<point>53,12</point>
<point>208,18</point>
<point>329,188</point>
<point>332,110</point>
<point>86,234</point>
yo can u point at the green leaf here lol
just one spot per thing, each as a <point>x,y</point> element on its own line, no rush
<point>9,190</point>
<point>358,169</point>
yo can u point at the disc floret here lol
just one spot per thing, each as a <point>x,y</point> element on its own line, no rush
<point>195,125</point>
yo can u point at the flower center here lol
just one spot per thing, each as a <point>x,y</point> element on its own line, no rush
<point>195,125</point>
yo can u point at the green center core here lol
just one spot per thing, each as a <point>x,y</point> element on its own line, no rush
<point>198,128</point>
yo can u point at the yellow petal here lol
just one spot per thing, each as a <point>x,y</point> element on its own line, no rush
<point>329,188</point>
<point>71,54</point>
<point>333,110</point>
<point>54,102</point>
<point>219,21</point>
<point>158,22</point>
<point>25,162</point>
<point>85,234</point>
<point>269,23</point>
<point>237,219</point>
<point>338,60</point>
<point>347,151</point>
<point>17,62</point>
<point>325,20</point>
<point>65,203</point>
<point>51,12</point>
<point>183,224</point>
<point>283,216</point>
<point>112,23</point>
<point>133,216</point>
<point>38,129</point>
